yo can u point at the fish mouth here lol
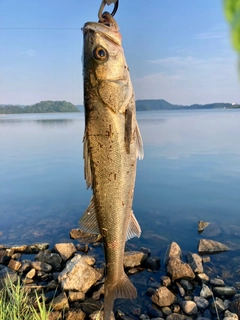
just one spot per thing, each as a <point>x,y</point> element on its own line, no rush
<point>108,28</point>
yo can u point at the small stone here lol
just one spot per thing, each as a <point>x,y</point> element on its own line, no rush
<point>4,257</point>
<point>180,289</point>
<point>228,314</point>
<point>201,302</point>
<point>145,251</point>
<point>98,315</point>
<point>76,296</point>
<point>54,259</point>
<point>26,266</point>
<point>16,256</point>
<point>154,311</point>
<point>177,269</point>
<point>195,262</point>
<point>41,266</point>
<point>133,259</point>
<point>7,274</point>
<point>66,250</point>
<point>55,315</point>
<point>178,316</point>
<point>186,284</point>
<point>173,251</point>
<point>203,278</point>
<point>218,304</point>
<point>52,285</point>
<point>75,315</point>
<point>60,302</point>
<point>134,270</point>
<point>152,263</point>
<point>14,265</point>
<point>234,306</point>
<point>150,292</point>
<point>202,225</point>
<point>31,274</point>
<point>209,246</point>
<point>89,306</point>
<point>189,307</point>
<point>217,282</point>
<point>166,281</point>
<point>163,297</point>
<point>166,311</point>
<point>224,291</point>
<point>206,292</point>
<point>206,259</point>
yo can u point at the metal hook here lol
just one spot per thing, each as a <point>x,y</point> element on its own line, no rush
<point>104,2</point>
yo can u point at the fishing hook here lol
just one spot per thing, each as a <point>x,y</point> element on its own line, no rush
<point>104,2</point>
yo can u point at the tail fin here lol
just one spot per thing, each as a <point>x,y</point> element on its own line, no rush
<point>122,289</point>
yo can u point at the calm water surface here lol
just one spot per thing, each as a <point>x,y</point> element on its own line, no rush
<point>190,172</point>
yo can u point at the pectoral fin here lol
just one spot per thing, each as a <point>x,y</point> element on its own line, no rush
<point>134,229</point>
<point>139,150</point>
<point>88,222</point>
<point>87,164</point>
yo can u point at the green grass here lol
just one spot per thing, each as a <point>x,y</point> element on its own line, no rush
<point>17,304</point>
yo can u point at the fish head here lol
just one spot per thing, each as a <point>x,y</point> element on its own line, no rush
<point>104,65</point>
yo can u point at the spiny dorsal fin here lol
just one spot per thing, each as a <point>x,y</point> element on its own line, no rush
<point>88,222</point>
<point>87,164</point>
<point>139,142</point>
<point>134,229</point>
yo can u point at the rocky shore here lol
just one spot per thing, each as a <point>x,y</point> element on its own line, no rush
<point>72,278</point>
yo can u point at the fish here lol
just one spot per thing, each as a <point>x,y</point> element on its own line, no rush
<point>111,145</point>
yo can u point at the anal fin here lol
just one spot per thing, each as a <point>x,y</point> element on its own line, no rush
<point>134,229</point>
<point>88,222</point>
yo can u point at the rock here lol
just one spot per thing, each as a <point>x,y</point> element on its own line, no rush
<point>89,260</point>
<point>234,306</point>
<point>180,289</point>
<point>150,292</point>
<point>201,302</point>
<point>145,250</point>
<point>55,315</point>
<point>4,257</point>
<point>224,291</point>
<point>166,281</point>
<point>178,316</point>
<point>219,305</point>
<point>152,263</point>
<point>89,306</point>
<point>14,265</point>
<point>31,274</point>
<point>66,250</point>
<point>97,294</point>
<point>195,262</point>
<point>173,251</point>
<point>41,266</point>
<point>166,311</point>
<point>209,246</point>
<point>217,282</point>
<point>34,248</point>
<point>206,259</point>
<point>163,297</point>
<point>7,274</point>
<point>202,225</point>
<point>133,259</point>
<point>120,315</point>
<point>60,302</point>
<point>84,237</point>
<point>189,307</point>
<point>228,314</point>
<point>98,315</point>
<point>76,296</point>
<point>177,269</point>
<point>203,278</point>
<point>154,311</point>
<point>75,315</point>
<point>135,270</point>
<point>186,284</point>
<point>78,275</point>
<point>26,266</point>
<point>54,259</point>
<point>206,292</point>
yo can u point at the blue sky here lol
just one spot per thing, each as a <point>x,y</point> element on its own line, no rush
<point>179,51</point>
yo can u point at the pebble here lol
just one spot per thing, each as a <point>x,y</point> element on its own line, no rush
<point>224,291</point>
<point>189,307</point>
<point>206,292</point>
<point>217,282</point>
<point>201,302</point>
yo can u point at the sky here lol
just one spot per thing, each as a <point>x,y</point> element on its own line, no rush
<point>179,51</point>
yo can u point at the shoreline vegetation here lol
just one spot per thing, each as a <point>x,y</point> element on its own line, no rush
<point>141,105</point>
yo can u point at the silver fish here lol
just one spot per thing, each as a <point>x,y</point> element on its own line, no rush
<point>112,143</point>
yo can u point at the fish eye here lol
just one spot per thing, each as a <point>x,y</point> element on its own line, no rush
<point>100,53</point>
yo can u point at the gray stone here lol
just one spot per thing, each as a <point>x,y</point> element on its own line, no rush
<point>178,316</point>
<point>60,302</point>
<point>78,275</point>
<point>133,259</point>
<point>180,289</point>
<point>209,246</point>
<point>218,304</point>
<point>224,291</point>
<point>195,262</point>
<point>41,266</point>
<point>66,250</point>
<point>201,302</point>
<point>4,257</point>
<point>54,259</point>
<point>154,311</point>
<point>189,307</point>
<point>186,284</point>
<point>206,292</point>
<point>177,269</point>
<point>234,306</point>
<point>152,263</point>
<point>26,266</point>
<point>173,251</point>
<point>163,297</point>
<point>217,282</point>
<point>7,274</point>
<point>166,311</point>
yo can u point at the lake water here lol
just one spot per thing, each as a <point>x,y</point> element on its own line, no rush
<point>190,172</point>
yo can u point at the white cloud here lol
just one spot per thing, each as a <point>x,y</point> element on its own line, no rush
<point>210,35</point>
